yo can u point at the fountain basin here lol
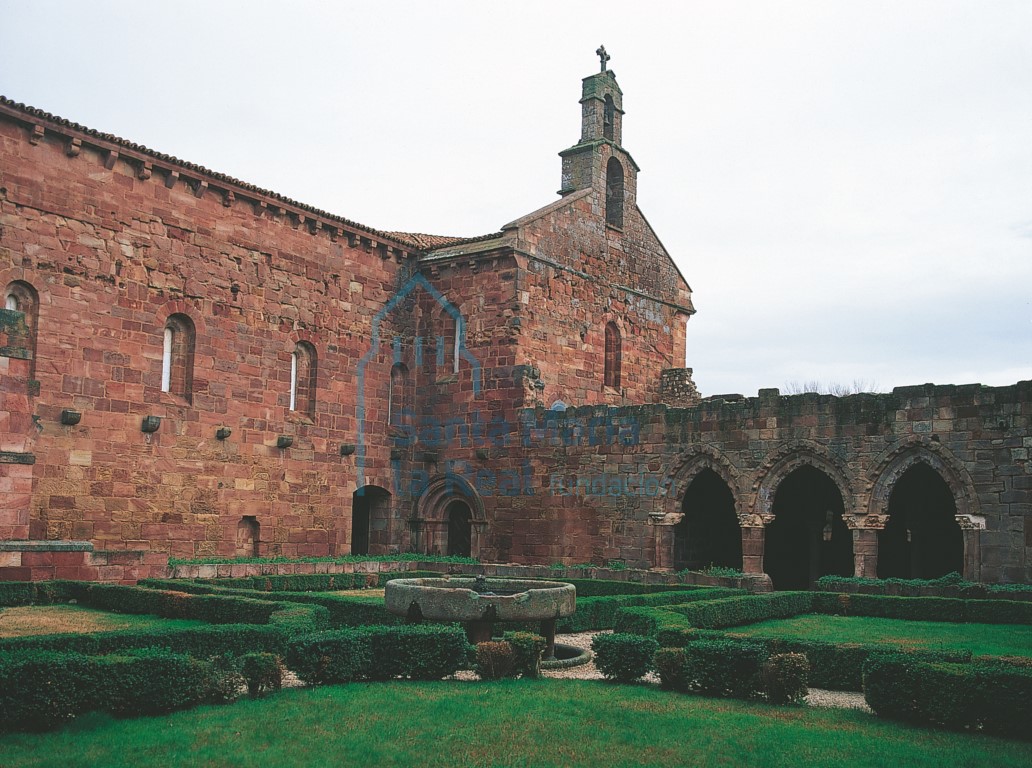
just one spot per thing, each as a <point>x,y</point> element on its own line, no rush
<point>469,599</point>
<point>479,602</point>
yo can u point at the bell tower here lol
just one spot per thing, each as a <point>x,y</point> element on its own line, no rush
<point>598,161</point>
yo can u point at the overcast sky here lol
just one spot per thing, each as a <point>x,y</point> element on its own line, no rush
<point>847,186</point>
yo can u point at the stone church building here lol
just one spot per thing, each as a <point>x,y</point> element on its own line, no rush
<point>192,366</point>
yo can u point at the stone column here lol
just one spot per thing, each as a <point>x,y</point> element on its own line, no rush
<point>754,528</point>
<point>663,538</point>
<point>971,528</point>
<point>865,543</point>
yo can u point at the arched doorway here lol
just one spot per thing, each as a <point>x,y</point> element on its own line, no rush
<point>921,539</point>
<point>808,538</point>
<point>708,534</point>
<point>460,532</point>
<point>370,508</point>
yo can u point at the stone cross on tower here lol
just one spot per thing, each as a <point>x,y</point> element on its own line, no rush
<point>602,56</point>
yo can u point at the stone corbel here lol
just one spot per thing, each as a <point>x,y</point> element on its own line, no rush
<point>110,159</point>
<point>74,147</point>
<point>200,187</point>
<point>659,517</point>
<point>37,135</point>
<point>144,171</point>
<point>260,207</point>
<point>228,199</point>
<point>171,179</point>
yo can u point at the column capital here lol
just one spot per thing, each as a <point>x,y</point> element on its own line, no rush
<point>865,522</point>
<point>755,520</point>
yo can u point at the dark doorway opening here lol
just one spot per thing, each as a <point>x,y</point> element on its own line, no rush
<point>460,532</point>
<point>922,539</point>
<point>808,538</point>
<point>370,512</point>
<point>708,534</point>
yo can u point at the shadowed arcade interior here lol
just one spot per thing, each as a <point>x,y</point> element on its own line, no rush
<point>708,534</point>
<point>921,539</point>
<point>808,538</point>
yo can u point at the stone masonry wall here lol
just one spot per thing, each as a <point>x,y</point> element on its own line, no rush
<point>634,465</point>
<point>114,245</point>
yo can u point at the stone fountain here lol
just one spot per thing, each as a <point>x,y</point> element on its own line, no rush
<point>479,602</point>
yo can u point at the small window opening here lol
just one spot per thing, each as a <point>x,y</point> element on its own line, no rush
<point>611,371</point>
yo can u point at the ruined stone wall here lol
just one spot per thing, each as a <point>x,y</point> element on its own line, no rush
<point>635,464</point>
<point>114,244</point>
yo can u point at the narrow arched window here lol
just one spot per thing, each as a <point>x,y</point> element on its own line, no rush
<point>21,297</point>
<point>448,341</point>
<point>611,372</point>
<point>399,401</point>
<point>614,193</point>
<point>177,356</point>
<point>608,118</point>
<point>302,379</point>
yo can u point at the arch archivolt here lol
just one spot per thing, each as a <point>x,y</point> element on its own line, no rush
<point>788,458</point>
<point>444,489</point>
<point>430,527</point>
<point>687,467</point>
<point>894,462</point>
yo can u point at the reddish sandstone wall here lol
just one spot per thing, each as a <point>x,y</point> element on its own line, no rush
<point>112,252</point>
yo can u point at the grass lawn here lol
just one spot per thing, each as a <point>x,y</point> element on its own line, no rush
<point>372,593</point>
<point>58,619</point>
<point>980,639</point>
<point>510,723</point>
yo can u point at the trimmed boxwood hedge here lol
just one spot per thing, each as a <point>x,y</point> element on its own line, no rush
<point>991,697</point>
<point>40,690</point>
<point>417,652</point>
<point>237,625</point>
<point>623,658</point>
<point>609,588</point>
<point>731,611</point>
<point>950,585</point>
<point>981,611</point>
<point>601,612</point>
<point>343,611</point>
<point>713,668</point>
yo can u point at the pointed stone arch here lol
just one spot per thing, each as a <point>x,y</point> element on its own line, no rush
<point>792,456</point>
<point>939,545</point>
<point>669,510</point>
<point>786,460</point>
<point>895,461</point>
<point>688,465</point>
